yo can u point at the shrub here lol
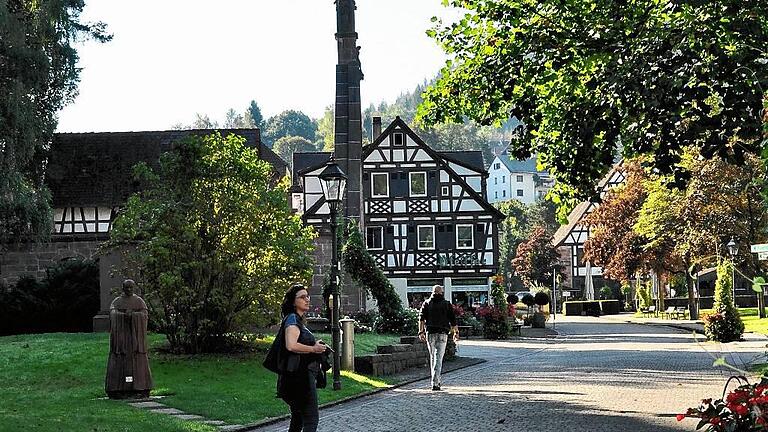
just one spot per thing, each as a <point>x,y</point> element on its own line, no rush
<point>405,322</point>
<point>644,293</point>
<point>724,323</point>
<point>605,292</point>
<point>65,300</point>
<point>528,300</point>
<point>541,298</point>
<point>494,322</point>
<point>365,317</point>
<point>512,299</point>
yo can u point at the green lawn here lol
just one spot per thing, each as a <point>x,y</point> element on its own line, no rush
<point>54,382</point>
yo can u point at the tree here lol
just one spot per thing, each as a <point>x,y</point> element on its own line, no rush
<point>724,323</point>
<point>613,244</point>
<point>202,121</point>
<point>591,79</point>
<point>285,147</point>
<point>289,123</point>
<point>38,77</point>
<point>254,114</point>
<point>512,232</point>
<point>213,242</point>
<point>536,259</point>
<point>233,120</point>
<point>325,130</point>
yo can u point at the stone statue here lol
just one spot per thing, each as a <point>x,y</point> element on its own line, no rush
<point>128,374</point>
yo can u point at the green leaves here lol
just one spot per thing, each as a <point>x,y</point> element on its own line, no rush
<point>594,80</point>
<point>214,241</point>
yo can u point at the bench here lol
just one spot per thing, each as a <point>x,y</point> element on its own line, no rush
<point>650,311</point>
<point>515,328</point>
<point>682,311</point>
<point>669,312</point>
<point>465,331</point>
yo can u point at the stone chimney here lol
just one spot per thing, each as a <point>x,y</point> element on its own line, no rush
<point>376,127</point>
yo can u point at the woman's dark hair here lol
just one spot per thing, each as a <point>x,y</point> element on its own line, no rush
<point>290,297</point>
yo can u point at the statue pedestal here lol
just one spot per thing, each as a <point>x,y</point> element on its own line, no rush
<point>101,322</point>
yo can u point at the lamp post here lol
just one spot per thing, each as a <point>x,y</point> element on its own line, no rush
<point>333,181</point>
<point>733,250</point>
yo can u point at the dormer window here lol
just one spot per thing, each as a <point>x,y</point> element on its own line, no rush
<point>398,139</point>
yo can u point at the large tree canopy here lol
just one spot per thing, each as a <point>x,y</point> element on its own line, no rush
<point>38,77</point>
<point>592,78</point>
<point>289,123</point>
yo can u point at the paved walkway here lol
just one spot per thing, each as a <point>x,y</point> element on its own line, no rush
<point>598,375</point>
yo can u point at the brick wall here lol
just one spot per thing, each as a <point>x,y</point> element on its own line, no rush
<point>33,258</point>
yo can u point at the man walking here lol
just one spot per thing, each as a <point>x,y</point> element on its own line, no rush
<point>436,321</point>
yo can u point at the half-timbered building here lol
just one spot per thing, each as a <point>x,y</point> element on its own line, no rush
<point>570,238</point>
<point>426,220</point>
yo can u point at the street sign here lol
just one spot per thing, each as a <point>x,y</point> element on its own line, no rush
<point>762,256</point>
<point>763,247</point>
<point>566,293</point>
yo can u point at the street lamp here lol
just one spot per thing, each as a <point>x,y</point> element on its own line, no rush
<point>733,250</point>
<point>333,181</point>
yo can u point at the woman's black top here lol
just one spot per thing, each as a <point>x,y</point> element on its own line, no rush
<point>296,385</point>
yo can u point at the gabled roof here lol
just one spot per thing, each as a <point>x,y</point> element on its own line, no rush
<point>472,159</point>
<point>399,123</point>
<point>518,166</point>
<point>580,212</point>
<point>304,162</point>
<point>97,168</point>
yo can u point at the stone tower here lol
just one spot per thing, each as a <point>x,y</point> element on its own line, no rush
<point>348,145</point>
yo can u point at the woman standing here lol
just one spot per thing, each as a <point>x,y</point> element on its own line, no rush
<point>296,385</point>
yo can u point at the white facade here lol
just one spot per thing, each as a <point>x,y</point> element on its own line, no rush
<point>517,180</point>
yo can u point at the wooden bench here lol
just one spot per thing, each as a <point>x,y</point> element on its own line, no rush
<point>669,312</point>
<point>682,311</point>
<point>515,328</point>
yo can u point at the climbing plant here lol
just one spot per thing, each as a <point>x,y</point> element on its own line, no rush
<point>363,269</point>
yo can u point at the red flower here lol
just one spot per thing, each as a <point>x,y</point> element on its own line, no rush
<point>741,410</point>
<point>680,417</point>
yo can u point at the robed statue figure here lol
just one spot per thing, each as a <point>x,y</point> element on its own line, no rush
<point>128,374</point>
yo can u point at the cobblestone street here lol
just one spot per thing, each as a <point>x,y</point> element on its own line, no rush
<point>597,375</point>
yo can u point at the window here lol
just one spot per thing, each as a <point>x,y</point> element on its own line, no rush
<point>504,193</point>
<point>374,238</point>
<point>504,179</point>
<point>519,192</point>
<point>426,237</point>
<point>496,165</point>
<point>418,181</point>
<point>519,179</point>
<point>398,138</point>
<point>464,237</point>
<point>446,190</point>
<point>497,194</point>
<point>380,185</point>
<point>495,180</point>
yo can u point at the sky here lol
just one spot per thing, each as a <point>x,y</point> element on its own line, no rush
<point>170,59</point>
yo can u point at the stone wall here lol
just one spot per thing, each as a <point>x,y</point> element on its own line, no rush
<point>391,359</point>
<point>34,258</point>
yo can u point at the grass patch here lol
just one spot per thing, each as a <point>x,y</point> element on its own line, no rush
<point>55,382</point>
<point>365,343</point>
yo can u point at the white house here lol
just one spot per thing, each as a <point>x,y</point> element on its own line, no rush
<point>513,179</point>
